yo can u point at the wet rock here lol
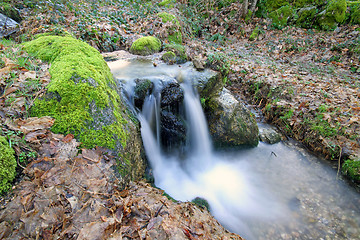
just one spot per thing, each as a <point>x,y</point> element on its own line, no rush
<point>143,88</point>
<point>7,26</point>
<point>208,83</point>
<point>269,135</point>
<point>230,122</point>
<point>173,130</point>
<point>198,64</point>
<point>172,95</point>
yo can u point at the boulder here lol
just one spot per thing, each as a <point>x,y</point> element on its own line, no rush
<point>142,89</point>
<point>230,122</point>
<point>84,100</point>
<point>146,46</point>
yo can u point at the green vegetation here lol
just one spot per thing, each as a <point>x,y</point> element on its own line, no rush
<point>167,3</point>
<point>9,10</point>
<point>174,33</point>
<point>255,33</point>
<point>281,16</point>
<point>333,14</point>
<point>201,202</point>
<point>169,57</point>
<point>178,50</point>
<point>219,62</point>
<point>146,46</point>
<point>7,165</point>
<point>80,84</point>
<point>351,168</point>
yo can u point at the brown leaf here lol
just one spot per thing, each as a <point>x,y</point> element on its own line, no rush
<point>9,91</point>
<point>90,155</point>
<point>34,123</point>
<point>68,138</point>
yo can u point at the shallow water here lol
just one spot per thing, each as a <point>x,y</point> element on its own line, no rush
<point>269,192</point>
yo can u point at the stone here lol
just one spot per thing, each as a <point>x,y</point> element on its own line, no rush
<point>173,130</point>
<point>198,64</point>
<point>142,89</point>
<point>146,46</point>
<point>269,135</point>
<point>7,26</point>
<point>230,122</point>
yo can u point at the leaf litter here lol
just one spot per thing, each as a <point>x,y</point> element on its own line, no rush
<point>71,195</point>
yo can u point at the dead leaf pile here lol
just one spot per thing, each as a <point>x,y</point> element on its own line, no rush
<point>67,195</point>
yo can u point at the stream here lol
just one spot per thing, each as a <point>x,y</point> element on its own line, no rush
<point>277,191</point>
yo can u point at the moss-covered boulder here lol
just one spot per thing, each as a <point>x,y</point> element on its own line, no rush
<point>7,165</point>
<point>230,122</point>
<point>178,50</point>
<point>146,46</point>
<point>169,57</point>
<point>167,3</point>
<point>281,16</point>
<point>173,27</point>
<point>334,13</point>
<point>306,16</point>
<point>354,12</point>
<point>82,98</point>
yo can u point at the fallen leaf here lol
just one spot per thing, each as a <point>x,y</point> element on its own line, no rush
<point>34,123</point>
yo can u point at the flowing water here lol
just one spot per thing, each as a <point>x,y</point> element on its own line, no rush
<point>269,192</point>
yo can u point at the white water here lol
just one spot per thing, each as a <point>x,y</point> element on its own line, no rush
<point>268,192</point>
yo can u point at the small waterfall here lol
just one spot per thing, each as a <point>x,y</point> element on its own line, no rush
<point>198,133</point>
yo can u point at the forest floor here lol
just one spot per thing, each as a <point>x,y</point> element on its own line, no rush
<point>304,81</point>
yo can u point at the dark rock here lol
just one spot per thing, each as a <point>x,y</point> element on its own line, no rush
<point>173,130</point>
<point>172,96</point>
<point>143,88</point>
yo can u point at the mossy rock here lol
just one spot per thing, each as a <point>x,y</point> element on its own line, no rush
<point>174,32</point>
<point>351,169</point>
<point>169,57</point>
<point>201,202</point>
<point>308,3</point>
<point>146,46</point>
<point>167,3</point>
<point>178,50</point>
<point>255,34</point>
<point>7,165</point>
<point>281,16</point>
<point>306,17</point>
<point>11,12</point>
<point>81,96</point>
<point>354,12</point>
<point>334,14</point>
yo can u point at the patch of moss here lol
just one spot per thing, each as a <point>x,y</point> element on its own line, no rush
<point>174,35</point>
<point>255,33</point>
<point>304,3</point>
<point>80,81</point>
<point>7,165</point>
<point>146,46</point>
<point>354,12</point>
<point>178,50</point>
<point>306,17</point>
<point>281,16</point>
<point>167,3</point>
<point>9,11</point>
<point>334,14</point>
<point>351,169</point>
<point>201,202</point>
<point>272,5</point>
<point>169,57</point>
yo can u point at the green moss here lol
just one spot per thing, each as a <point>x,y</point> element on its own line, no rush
<point>169,57</point>
<point>281,16</point>
<point>351,169</point>
<point>8,10</point>
<point>146,46</point>
<point>178,50</point>
<point>80,81</point>
<point>174,35</point>
<point>255,33</point>
<point>304,3</point>
<point>201,202</point>
<point>7,165</point>
<point>272,5</point>
<point>167,3</point>
<point>354,12</point>
<point>306,17</point>
<point>334,14</point>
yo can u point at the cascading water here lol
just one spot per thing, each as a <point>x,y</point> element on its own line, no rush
<point>268,192</point>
